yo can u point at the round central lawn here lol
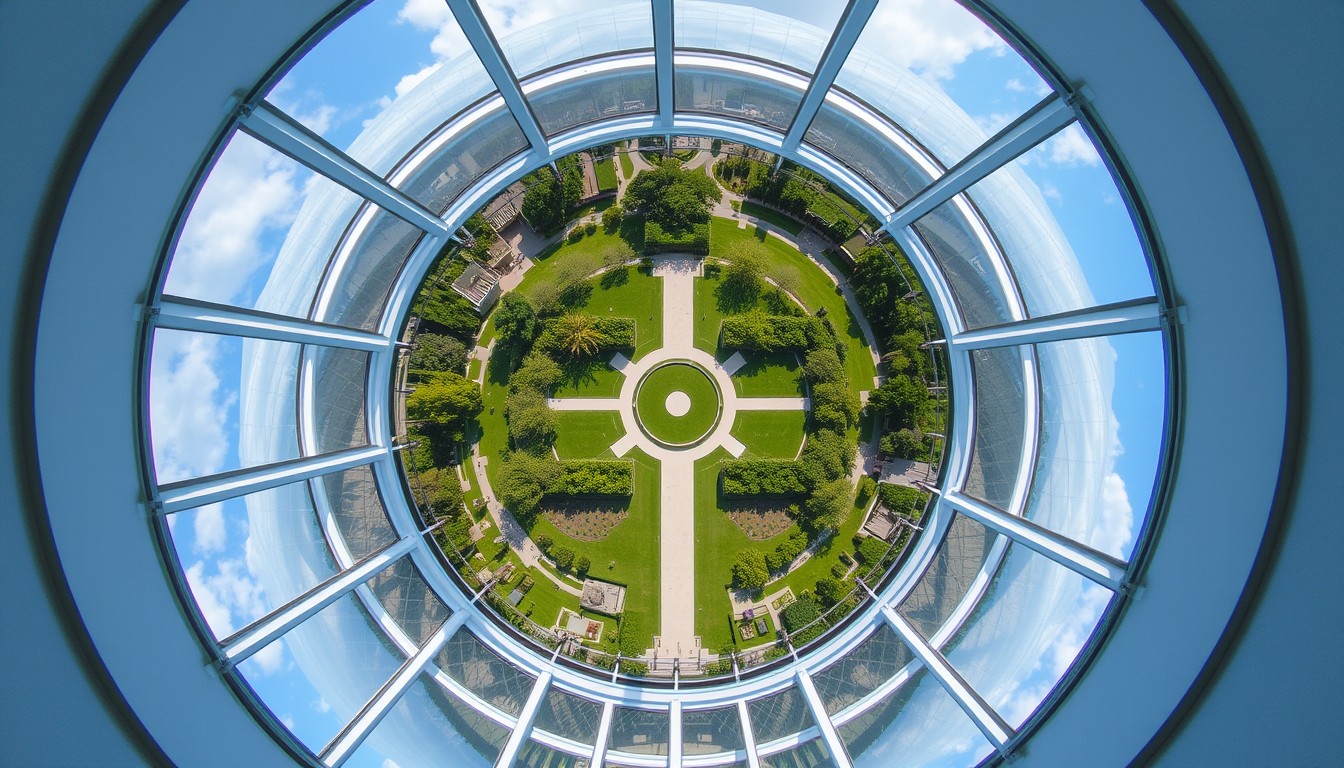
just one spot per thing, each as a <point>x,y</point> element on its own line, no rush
<point>655,394</point>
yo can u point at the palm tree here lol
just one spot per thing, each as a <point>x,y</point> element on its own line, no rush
<point>579,334</point>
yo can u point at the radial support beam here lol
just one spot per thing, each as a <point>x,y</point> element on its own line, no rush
<point>674,732</point>
<point>189,494</point>
<point>290,137</point>
<point>603,733</point>
<point>525,718</point>
<point>664,54</point>
<point>984,716</point>
<point>206,317</point>
<point>344,745</point>
<point>842,42</point>
<point>1039,123</point>
<point>748,734</point>
<point>1079,558</point>
<point>1107,320</point>
<point>242,645</point>
<point>839,755</point>
<point>478,33</point>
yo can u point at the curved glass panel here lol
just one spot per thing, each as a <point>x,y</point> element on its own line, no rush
<point>639,731</point>
<point>412,604</point>
<point>861,671</point>
<point>707,731</point>
<point>792,34</point>
<point>812,754</point>
<point>539,36</point>
<point>340,378</point>
<point>740,97</point>
<point>598,96</point>
<point>779,715</point>
<point>322,673</point>
<point>1000,425</point>
<point>948,578</point>
<point>917,724</point>
<point>368,261</point>
<point>941,73</point>
<point>969,258</point>
<point>536,755</point>
<point>869,152</point>
<point>481,671</point>
<point>1064,228</point>
<point>428,727</point>
<point>568,716</point>
<point>356,507</point>
<point>1026,632</point>
<point>200,386</point>
<point>245,557</point>
<point>1102,405</point>
<point>413,55</point>
<point>460,156</point>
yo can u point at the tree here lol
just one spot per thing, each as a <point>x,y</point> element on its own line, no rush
<point>437,352</point>
<point>582,565</point>
<point>743,278</point>
<point>438,490</point>
<point>523,480</point>
<point>830,504</point>
<point>827,456</point>
<point>906,444</point>
<point>564,557</point>
<point>901,398</point>
<point>834,406</point>
<point>831,591</point>
<point>515,320</point>
<point>448,400</point>
<point>531,422</point>
<point>611,218</point>
<point>580,335</point>
<point>822,365</point>
<point>672,197</point>
<point>538,373</point>
<point>749,571</point>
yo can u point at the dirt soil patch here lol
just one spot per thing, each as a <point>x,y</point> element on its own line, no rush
<point>761,521</point>
<point>585,520</point>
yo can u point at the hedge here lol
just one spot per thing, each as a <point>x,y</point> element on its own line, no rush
<point>900,499</point>
<point>757,477</point>
<point>617,333</point>
<point>760,332</point>
<point>800,613</point>
<point>658,240</point>
<point>594,478</point>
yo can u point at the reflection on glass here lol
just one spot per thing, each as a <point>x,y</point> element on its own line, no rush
<point>428,727</point>
<point>1102,409</point>
<point>462,156</point>
<point>340,659</point>
<point>948,578</point>
<point>339,380</point>
<point>1000,424</point>
<point>779,715</point>
<point>1026,632</point>
<point>639,731</point>
<point>806,755</point>
<point>970,261</point>
<point>247,556</point>
<point>569,716</point>
<point>869,152</point>
<point>707,731</point>
<point>792,34</point>
<point>353,501</point>
<point>409,600</point>
<point>594,97</point>
<point>534,40</point>
<point>859,672</point>
<point>1064,228</point>
<point>749,98</point>
<point>468,661</point>
<point>369,259</point>
<point>917,724</point>
<point>537,754</point>
<point>218,403</point>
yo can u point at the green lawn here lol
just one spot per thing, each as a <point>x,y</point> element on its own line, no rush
<point>606,174</point>
<point>587,434</point>
<point>627,165</point>
<point>770,434</point>
<point>776,375</point>
<point>773,217</point>
<point>707,318</point>
<point>651,403</point>
<point>592,378</point>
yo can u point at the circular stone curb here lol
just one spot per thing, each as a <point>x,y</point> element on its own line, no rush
<point>718,406</point>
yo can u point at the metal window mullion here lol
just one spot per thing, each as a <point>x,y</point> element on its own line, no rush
<point>207,317</point>
<point>1039,123</point>
<point>983,715</point>
<point>664,54</point>
<point>748,735</point>
<point>478,34</point>
<point>525,719</point>
<point>1134,316</point>
<point>294,139</point>
<point>603,733</point>
<point>348,740</point>
<point>261,633</point>
<point>847,32</point>
<point>839,755</point>
<point>674,732</point>
<point>1077,557</point>
<point>189,494</point>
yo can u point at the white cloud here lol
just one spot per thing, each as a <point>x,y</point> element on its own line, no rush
<point>188,410</point>
<point>1070,148</point>
<point>321,705</point>
<point>288,721</point>
<point>994,122</point>
<point>209,529</point>
<point>390,763</point>
<point>1051,192</point>
<point>1015,85</point>
<point>228,598</point>
<point>405,84</point>
<point>930,36</point>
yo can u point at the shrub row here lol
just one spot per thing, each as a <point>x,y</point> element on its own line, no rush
<point>768,477</point>
<point>594,478</point>
<point>693,240</point>
<point>613,333</point>
<point>901,499</point>
<point>760,332</point>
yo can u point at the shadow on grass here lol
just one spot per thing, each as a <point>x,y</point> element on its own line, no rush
<point>615,278</point>
<point>576,373</point>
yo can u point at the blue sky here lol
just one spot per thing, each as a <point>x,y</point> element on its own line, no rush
<point>249,203</point>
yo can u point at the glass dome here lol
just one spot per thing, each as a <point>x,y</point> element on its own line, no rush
<point>273,457</point>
